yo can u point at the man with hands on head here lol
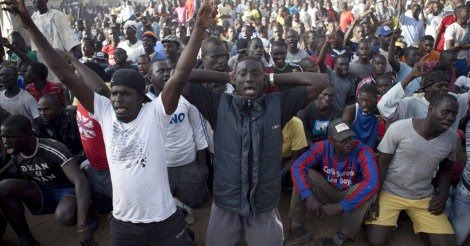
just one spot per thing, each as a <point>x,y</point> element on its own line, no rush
<point>134,129</point>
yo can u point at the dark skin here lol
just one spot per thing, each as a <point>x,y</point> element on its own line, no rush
<point>120,57</point>
<point>438,120</point>
<point>425,47</point>
<point>170,94</point>
<point>49,110</point>
<point>292,39</point>
<point>462,18</point>
<point>314,207</point>
<point>70,210</point>
<point>367,101</point>
<point>160,74</point>
<point>412,57</point>
<point>149,44</point>
<point>8,82</point>
<point>32,77</point>
<point>278,54</point>
<point>171,50</point>
<point>256,48</point>
<point>19,50</point>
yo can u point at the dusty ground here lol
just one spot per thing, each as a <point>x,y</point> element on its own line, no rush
<point>50,232</point>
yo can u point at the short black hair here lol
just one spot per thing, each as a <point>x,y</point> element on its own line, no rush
<point>19,123</point>
<point>279,43</point>
<point>409,50</point>
<point>439,98</point>
<point>210,42</point>
<point>248,58</point>
<point>427,38</point>
<point>53,97</point>
<point>40,69</point>
<point>369,88</point>
<point>341,56</point>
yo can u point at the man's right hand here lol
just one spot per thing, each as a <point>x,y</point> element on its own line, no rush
<point>373,212</point>
<point>419,69</point>
<point>5,42</point>
<point>18,8</point>
<point>313,206</point>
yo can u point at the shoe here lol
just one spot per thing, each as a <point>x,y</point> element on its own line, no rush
<point>298,236</point>
<point>189,215</point>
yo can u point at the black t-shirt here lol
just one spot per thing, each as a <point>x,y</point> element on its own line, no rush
<point>45,165</point>
<point>289,68</point>
<point>316,123</point>
<point>207,102</point>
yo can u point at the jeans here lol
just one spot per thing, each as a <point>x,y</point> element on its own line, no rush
<point>460,214</point>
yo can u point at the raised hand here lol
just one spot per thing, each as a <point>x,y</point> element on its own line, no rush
<point>5,42</point>
<point>205,14</point>
<point>18,9</point>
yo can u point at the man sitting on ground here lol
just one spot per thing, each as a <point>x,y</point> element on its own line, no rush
<point>53,182</point>
<point>346,184</point>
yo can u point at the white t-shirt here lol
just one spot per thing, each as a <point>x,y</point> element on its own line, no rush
<point>133,51</point>
<point>186,134</point>
<point>432,23</point>
<point>136,154</point>
<point>23,103</point>
<point>413,30</point>
<point>454,32</point>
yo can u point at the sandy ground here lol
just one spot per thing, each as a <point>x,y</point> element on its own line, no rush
<point>49,232</point>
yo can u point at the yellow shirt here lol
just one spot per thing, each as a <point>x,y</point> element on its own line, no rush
<point>293,137</point>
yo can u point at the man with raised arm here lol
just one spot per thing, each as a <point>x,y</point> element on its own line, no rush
<point>134,129</point>
<point>248,141</point>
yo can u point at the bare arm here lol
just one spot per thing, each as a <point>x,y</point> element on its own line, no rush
<point>322,55</point>
<point>392,59</point>
<point>19,53</point>
<point>175,85</point>
<point>53,59</point>
<point>90,78</point>
<point>82,189</point>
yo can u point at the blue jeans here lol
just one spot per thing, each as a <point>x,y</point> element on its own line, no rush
<point>460,214</point>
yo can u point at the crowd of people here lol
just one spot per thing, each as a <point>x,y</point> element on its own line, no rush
<point>146,112</point>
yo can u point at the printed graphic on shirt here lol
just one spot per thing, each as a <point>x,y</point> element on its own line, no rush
<point>177,118</point>
<point>85,126</point>
<point>319,127</point>
<point>127,147</point>
<point>39,172</point>
<point>335,177</point>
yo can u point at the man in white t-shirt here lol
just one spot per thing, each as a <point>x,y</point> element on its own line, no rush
<point>455,32</point>
<point>434,19</point>
<point>134,131</point>
<point>185,146</point>
<point>54,25</point>
<point>131,45</point>
<point>412,26</point>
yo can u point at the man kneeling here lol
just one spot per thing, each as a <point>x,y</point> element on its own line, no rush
<point>347,182</point>
<point>53,182</point>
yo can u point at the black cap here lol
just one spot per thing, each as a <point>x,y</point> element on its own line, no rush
<point>339,130</point>
<point>132,79</point>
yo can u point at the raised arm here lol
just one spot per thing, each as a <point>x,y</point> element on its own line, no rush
<point>323,51</point>
<point>52,58</point>
<point>392,59</point>
<point>175,85</point>
<point>19,53</point>
<point>90,78</point>
<point>315,82</point>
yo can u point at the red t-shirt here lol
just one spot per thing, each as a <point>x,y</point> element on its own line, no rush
<point>109,49</point>
<point>92,139</point>
<point>447,21</point>
<point>50,88</point>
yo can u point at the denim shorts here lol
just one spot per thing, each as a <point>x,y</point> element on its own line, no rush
<point>51,197</point>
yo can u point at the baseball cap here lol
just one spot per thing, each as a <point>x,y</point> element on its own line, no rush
<point>339,130</point>
<point>242,45</point>
<point>171,38</point>
<point>101,56</point>
<point>384,31</point>
<point>132,79</point>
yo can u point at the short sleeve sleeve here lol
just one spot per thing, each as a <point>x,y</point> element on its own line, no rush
<point>206,102</point>
<point>449,34</point>
<point>59,153</point>
<point>453,153</point>
<point>101,107</point>
<point>292,101</point>
<point>299,141</point>
<point>389,143</point>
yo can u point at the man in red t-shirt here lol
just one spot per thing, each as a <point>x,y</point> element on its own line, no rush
<point>113,38</point>
<point>38,86</point>
<point>447,21</point>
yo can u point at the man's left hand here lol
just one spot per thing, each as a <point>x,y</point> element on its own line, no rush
<point>329,210</point>
<point>437,204</point>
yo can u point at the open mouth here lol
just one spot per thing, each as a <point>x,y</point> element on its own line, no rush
<point>120,110</point>
<point>249,91</point>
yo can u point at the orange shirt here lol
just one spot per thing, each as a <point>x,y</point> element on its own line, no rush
<point>344,20</point>
<point>190,8</point>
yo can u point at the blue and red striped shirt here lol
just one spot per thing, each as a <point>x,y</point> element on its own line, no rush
<point>359,167</point>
